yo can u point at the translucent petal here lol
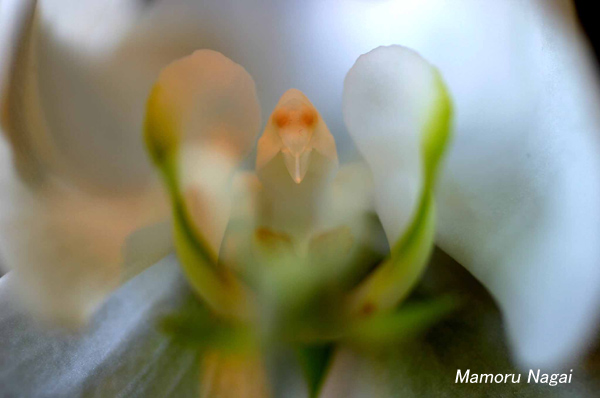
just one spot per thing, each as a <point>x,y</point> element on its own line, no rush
<point>388,97</point>
<point>90,67</point>
<point>397,109</point>
<point>520,204</point>
<point>65,241</point>
<point>202,118</point>
<point>204,99</point>
<point>67,247</point>
<point>62,118</point>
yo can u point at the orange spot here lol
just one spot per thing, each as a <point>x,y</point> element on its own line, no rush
<point>281,117</point>
<point>309,116</point>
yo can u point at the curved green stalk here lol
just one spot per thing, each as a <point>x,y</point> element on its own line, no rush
<point>393,280</point>
<point>215,284</point>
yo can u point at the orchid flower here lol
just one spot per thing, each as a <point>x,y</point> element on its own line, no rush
<point>305,248</point>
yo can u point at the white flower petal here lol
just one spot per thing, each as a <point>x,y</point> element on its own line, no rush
<point>397,109</point>
<point>66,239</point>
<point>55,110</point>
<point>202,119</point>
<point>84,85</point>
<point>389,95</point>
<point>520,203</point>
<point>94,27</point>
<point>209,101</point>
<point>67,247</point>
<point>121,353</point>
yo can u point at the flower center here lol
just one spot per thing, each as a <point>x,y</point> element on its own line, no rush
<point>295,122</point>
<point>295,129</point>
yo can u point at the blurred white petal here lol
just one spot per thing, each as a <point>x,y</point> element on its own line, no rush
<point>56,110</point>
<point>120,354</point>
<point>94,27</point>
<point>202,119</point>
<point>65,239</point>
<point>89,70</point>
<point>68,248</point>
<point>520,203</point>
<point>207,100</point>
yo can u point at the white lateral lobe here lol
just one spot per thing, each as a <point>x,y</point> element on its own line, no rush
<point>520,198</point>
